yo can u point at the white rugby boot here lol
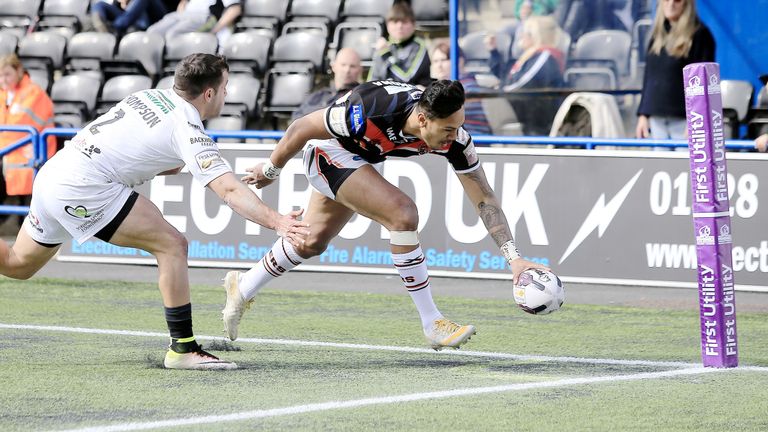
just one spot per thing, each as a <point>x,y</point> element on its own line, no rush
<point>236,305</point>
<point>444,333</point>
<point>197,360</point>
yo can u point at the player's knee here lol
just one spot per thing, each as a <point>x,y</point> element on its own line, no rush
<point>173,243</point>
<point>404,216</point>
<point>313,246</point>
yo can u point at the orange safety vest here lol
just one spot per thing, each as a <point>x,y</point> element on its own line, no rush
<point>30,106</point>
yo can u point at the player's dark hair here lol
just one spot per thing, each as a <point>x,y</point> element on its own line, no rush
<point>197,72</point>
<point>441,99</point>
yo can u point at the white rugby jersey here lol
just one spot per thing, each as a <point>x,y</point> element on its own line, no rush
<point>148,132</point>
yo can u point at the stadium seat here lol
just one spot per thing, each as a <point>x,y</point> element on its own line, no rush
<point>137,53</point>
<point>86,50</point>
<point>263,14</point>
<point>737,100</point>
<point>18,15</point>
<point>248,52</point>
<point>476,54</point>
<point>300,48</point>
<point>8,42</point>
<point>641,37</point>
<point>360,35</point>
<point>64,14</point>
<point>165,82</point>
<point>314,27</point>
<point>42,51</point>
<point>430,14</point>
<point>180,46</point>
<point>41,78</point>
<point>227,123</point>
<point>286,90</point>
<point>315,10</point>
<point>119,87</point>
<point>242,94</point>
<point>603,48</point>
<point>74,99</point>
<point>366,10</point>
<point>590,78</point>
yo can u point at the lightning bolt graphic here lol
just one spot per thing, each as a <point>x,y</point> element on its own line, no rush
<point>601,216</point>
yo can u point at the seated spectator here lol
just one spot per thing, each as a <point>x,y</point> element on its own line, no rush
<point>404,56</point>
<point>24,103</point>
<point>475,121</point>
<point>346,69</point>
<point>117,17</point>
<point>541,65</point>
<point>213,16</point>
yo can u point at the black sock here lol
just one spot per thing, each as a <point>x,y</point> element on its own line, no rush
<point>179,321</point>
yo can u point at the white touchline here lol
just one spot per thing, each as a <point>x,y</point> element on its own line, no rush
<point>383,400</point>
<point>485,354</point>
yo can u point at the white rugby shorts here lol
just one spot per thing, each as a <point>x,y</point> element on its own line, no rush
<point>66,204</point>
<point>327,164</point>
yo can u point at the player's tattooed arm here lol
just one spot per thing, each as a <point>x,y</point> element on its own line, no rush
<point>487,206</point>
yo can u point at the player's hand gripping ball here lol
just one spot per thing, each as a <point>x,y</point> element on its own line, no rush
<point>539,292</point>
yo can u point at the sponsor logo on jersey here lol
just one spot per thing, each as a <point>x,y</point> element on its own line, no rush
<point>83,147</point>
<point>35,222</point>
<point>208,159</point>
<point>356,116</point>
<point>470,154</point>
<point>202,140</point>
<point>79,212</point>
<point>337,122</point>
<point>391,134</point>
<point>194,126</point>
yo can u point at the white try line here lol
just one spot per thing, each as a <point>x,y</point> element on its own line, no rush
<point>291,342</point>
<point>384,400</point>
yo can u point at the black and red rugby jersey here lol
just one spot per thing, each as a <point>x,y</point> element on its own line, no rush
<point>369,121</point>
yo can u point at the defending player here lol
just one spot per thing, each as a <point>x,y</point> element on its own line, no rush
<point>346,144</point>
<point>86,190</point>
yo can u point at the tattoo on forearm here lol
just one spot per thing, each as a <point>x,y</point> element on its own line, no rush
<point>478,176</point>
<point>495,221</point>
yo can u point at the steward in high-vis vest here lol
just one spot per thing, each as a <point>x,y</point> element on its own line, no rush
<point>22,102</point>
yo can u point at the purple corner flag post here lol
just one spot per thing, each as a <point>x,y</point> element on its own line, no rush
<point>711,215</point>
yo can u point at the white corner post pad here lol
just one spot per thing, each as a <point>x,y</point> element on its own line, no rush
<point>404,238</point>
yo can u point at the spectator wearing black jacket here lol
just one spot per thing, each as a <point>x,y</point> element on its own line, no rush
<point>540,65</point>
<point>346,69</point>
<point>679,38</point>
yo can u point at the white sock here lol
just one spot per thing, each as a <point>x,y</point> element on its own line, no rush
<point>413,271</point>
<point>281,259</point>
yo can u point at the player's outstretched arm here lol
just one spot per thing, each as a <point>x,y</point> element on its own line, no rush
<point>248,205</point>
<point>487,206</point>
<point>311,126</point>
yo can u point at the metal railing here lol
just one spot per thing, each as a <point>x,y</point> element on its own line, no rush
<point>32,138</point>
<point>39,140</point>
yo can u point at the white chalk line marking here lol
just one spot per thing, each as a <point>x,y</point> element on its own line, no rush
<point>405,349</point>
<point>383,400</point>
